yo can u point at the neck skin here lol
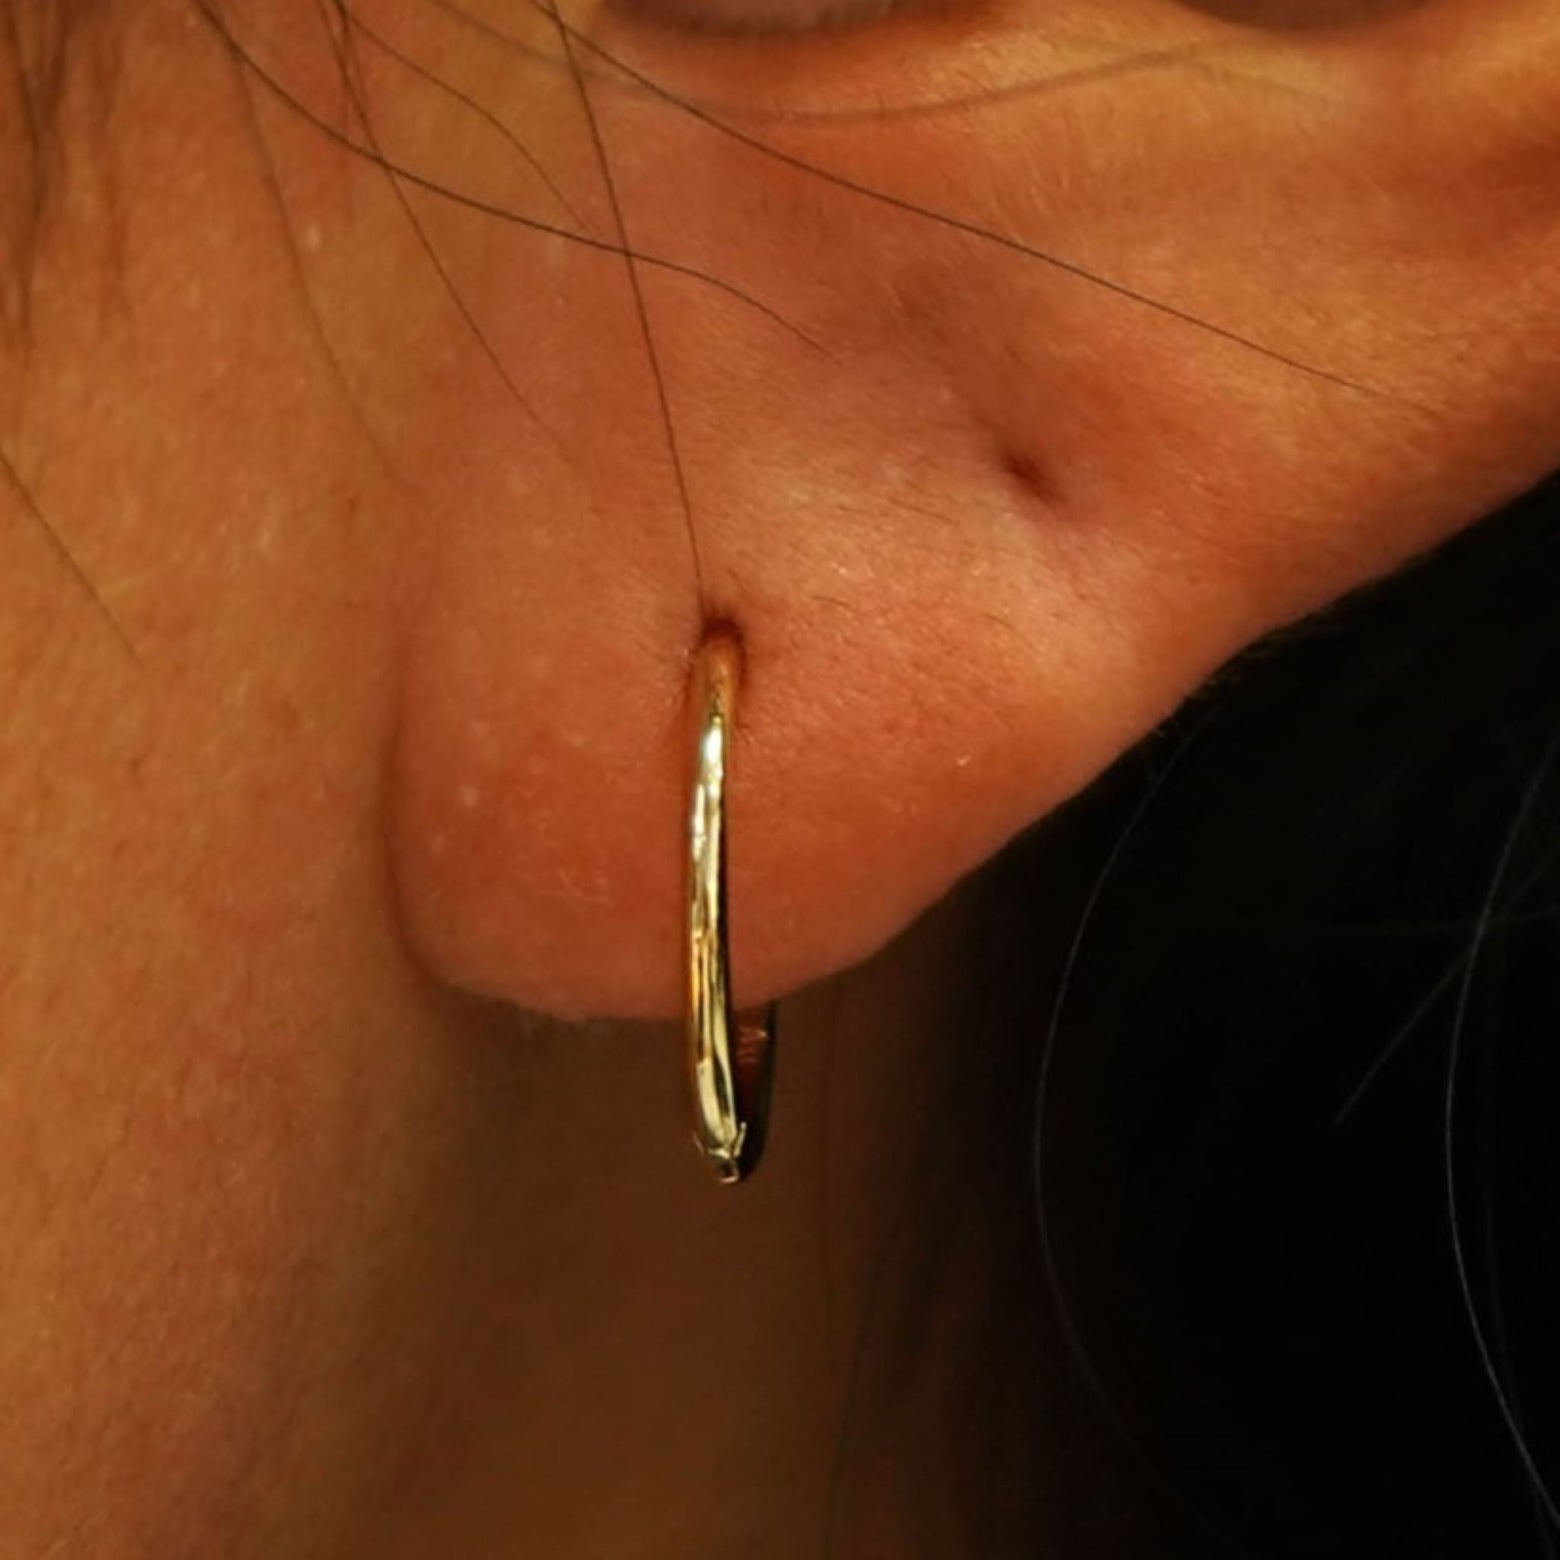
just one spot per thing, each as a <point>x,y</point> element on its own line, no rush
<point>842,1356</point>
<point>853,1354</point>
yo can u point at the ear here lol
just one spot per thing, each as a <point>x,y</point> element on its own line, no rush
<point>1023,363</point>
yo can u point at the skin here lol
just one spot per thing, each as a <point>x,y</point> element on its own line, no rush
<point>345,648</point>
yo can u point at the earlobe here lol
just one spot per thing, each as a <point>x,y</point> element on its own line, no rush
<point>1070,396</point>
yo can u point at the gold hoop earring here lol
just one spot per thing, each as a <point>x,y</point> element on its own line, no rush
<point>731,1059</point>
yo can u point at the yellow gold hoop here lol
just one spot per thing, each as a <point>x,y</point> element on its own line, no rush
<point>730,1061</point>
